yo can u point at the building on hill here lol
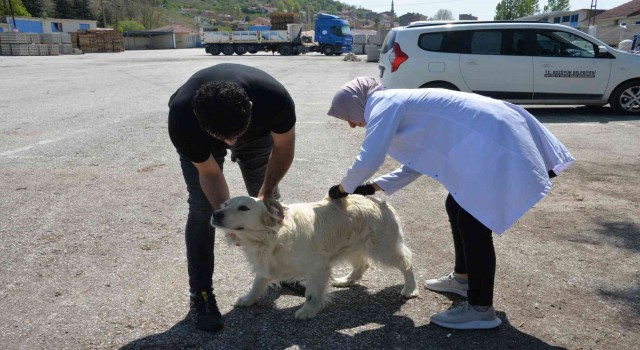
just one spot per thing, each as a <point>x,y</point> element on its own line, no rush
<point>467,17</point>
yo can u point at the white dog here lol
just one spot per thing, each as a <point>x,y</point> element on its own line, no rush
<point>311,239</point>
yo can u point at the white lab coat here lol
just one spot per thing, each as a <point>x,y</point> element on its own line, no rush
<point>492,156</point>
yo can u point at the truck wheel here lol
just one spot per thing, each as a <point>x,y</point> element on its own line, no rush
<point>227,49</point>
<point>626,98</point>
<point>252,49</point>
<point>328,50</point>
<point>214,50</point>
<point>240,49</point>
<point>284,50</point>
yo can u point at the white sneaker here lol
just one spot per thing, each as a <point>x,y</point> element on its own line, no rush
<point>448,284</point>
<point>465,316</point>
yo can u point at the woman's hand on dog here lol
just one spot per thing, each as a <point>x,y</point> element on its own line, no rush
<point>337,192</point>
<point>368,189</point>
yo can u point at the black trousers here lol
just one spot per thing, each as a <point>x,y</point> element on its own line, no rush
<point>252,156</point>
<point>475,254</point>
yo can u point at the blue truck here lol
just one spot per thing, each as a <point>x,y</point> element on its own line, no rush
<point>332,37</point>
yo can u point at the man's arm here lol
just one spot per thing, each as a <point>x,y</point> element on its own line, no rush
<point>212,182</point>
<point>279,162</point>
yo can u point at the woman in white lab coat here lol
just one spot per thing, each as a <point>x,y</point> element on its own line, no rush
<point>494,158</point>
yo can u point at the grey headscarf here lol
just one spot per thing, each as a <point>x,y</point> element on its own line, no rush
<point>349,102</point>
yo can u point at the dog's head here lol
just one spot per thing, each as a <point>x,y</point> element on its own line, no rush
<point>244,214</point>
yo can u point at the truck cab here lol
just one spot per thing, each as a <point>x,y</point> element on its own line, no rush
<point>332,34</point>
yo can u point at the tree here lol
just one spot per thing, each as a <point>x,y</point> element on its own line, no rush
<point>442,15</point>
<point>80,9</point>
<point>18,8</point>
<point>129,25</point>
<point>557,5</point>
<point>150,17</point>
<point>512,9</point>
<point>62,9</point>
<point>35,7</point>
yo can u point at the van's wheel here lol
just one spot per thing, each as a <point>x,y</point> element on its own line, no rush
<point>626,98</point>
<point>240,49</point>
<point>214,50</point>
<point>440,85</point>
<point>227,49</point>
<point>328,50</point>
<point>284,50</point>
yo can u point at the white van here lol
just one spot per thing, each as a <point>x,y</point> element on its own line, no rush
<point>520,62</point>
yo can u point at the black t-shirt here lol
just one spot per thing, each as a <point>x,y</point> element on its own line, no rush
<point>273,109</point>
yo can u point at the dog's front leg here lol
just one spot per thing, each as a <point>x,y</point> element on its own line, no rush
<point>317,280</point>
<point>260,284</point>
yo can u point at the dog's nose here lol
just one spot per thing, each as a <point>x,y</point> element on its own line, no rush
<point>217,218</point>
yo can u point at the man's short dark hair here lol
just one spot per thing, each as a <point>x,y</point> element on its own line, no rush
<point>223,109</point>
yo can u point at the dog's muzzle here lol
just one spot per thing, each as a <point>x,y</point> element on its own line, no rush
<point>217,218</point>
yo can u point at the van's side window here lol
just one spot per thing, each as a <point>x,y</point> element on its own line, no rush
<point>486,42</point>
<point>441,42</point>
<point>562,44</point>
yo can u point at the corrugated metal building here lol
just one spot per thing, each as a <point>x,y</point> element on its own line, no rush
<point>169,37</point>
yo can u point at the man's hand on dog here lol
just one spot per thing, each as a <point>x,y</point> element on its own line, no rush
<point>368,189</point>
<point>274,206</point>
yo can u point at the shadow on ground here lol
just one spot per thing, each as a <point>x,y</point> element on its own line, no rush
<point>354,320</point>
<point>579,114</point>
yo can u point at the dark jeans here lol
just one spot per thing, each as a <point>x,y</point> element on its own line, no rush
<point>475,255</point>
<point>252,155</point>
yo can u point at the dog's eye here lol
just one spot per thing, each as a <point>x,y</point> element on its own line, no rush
<point>243,208</point>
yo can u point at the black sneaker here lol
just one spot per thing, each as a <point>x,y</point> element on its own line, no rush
<point>204,312</point>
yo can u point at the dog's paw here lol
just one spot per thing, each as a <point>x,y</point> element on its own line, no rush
<point>342,282</point>
<point>305,313</point>
<point>245,301</point>
<point>408,293</point>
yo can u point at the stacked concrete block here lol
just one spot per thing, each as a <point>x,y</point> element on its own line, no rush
<point>51,38</point>
<point>43,50</point>
<point>14,38</point>
<point>33,50</point>
<point>65,38</point>
<point>374,40</point>
<point>373,53</point>
<point>34,38</point>
<point>54,49</point>
<point>360,39</point>
<point>67,49</point>
<point>358,49</point>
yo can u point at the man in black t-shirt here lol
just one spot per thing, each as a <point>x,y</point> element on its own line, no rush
<point>236,107</point>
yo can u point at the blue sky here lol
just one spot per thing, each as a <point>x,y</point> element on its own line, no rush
<point>483,9</point>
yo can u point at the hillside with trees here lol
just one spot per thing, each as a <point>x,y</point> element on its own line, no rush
<point>226,14</point>
<point>148,14</point>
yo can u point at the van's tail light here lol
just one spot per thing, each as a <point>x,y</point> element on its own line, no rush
<point>397,57</point>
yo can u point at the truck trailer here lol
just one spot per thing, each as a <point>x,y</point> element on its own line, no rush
<point>332,37</point>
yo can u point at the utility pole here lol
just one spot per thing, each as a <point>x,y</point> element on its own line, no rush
<point>104,18</point>
<point>592,13</point>
<point>13,16</point>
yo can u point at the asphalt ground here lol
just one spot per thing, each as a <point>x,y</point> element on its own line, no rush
<point>93,207</point>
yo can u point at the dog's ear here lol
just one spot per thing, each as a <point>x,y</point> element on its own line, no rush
<point>269,219</point>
